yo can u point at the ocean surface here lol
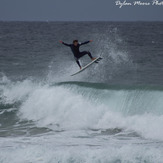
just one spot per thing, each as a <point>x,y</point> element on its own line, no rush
<point>110,113</point>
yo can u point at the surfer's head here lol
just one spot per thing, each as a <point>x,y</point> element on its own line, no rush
<point>75,42</point>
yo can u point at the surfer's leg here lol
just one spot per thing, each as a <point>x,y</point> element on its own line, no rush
<point>77,61</point>
<point>89,54</point>
<point>81,54</point>
<point>79,64</point>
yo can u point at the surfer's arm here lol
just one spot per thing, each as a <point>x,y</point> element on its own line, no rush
<point>64,43</point>
<point>86,42</point>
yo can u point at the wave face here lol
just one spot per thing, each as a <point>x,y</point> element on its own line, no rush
<point>79,105</point>
<point>71,106</point>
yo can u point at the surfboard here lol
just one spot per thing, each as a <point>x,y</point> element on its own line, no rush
<point>86,66</point>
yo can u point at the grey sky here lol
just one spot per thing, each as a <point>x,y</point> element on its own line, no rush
<point>77,10</point>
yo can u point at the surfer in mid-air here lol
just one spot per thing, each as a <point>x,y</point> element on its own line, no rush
<point>75,50</point>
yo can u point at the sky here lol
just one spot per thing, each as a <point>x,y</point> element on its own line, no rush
<point>78,10</point>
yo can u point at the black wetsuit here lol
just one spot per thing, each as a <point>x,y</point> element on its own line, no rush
<point>76,52</point>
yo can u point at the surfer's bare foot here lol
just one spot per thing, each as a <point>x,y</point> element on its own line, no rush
<point>80,68</point>
<point>93,59</point>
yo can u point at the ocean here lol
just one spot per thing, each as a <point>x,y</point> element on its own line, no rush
<point>110,113</point>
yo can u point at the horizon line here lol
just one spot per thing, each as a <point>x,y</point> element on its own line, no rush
<point>47,21</point>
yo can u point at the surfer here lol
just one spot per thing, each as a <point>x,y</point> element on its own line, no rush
<point>75,50</point>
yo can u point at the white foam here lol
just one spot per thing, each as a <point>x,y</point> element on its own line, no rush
<point>46,149</point>
<point>16,91</point>
<point>59,105</point>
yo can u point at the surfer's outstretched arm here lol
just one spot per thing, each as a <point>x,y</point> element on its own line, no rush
<point>86,42</point>
<point>65,43</point>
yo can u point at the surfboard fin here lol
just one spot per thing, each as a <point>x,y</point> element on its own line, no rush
<point>98,59</point>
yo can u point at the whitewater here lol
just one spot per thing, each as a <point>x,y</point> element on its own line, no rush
<point>110,113</point>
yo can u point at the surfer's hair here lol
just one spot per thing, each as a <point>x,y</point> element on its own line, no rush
<point>75,41</point>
